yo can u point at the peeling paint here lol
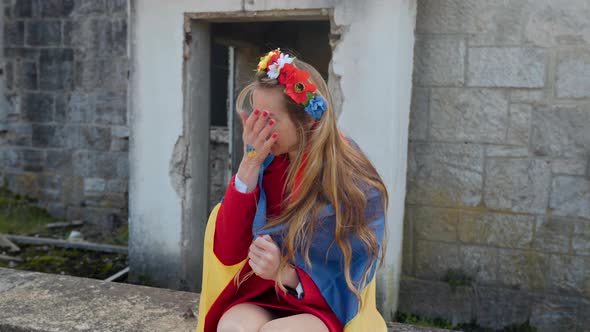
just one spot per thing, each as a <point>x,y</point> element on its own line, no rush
<point>179,170</point>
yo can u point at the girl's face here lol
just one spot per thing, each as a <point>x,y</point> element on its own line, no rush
<point>271,100</point>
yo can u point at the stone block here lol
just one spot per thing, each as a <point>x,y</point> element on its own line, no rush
<point>56,69</point>
<point>97,37</point>
<point>506,151</point>
<point>95,138</point>
<point>569,166</point>
<point>23,8</point>
<point>120,131</point>
<point>51,187</point>
<point>112,201</point>
<point>25,183</point>
<point>435,224</point>
<point>570,196</point>
<point>523,269</point>
<point>101,74</point>
<point>86,8</point>
<point>117,7</point>
<point>51,136</point>
<point>583,317</point>
<point>55,8</point>
<point>99,215</point>
<point>519,185</point>
<point>553,235</point>
<point>434,299</point>
<point>19,134</point>
<point>43,33</point>
<point>468,115</point>
<point>573,76</point>
<point>9,77</point>
<point>480,263</point>
<point>552,24</point>
<point>73,193</point>
<point>57,210</point>
<point>569,275</point>
<point>526,95</point>
<point>111,108</point>
<point>26,75</point>
<point>519,127</point>
<point>21,53</point>
<point>519,67</point>
<point>561,131</point>
<point>94,185</point>
<point>408,242</point>
<point>119,144</point>
<point>486,22</point>
<point>554,313</point>
<point>581,238</point>
<point>441,174</point>
<point>118,185</point>
<point>33,160</point>
<point>91,164</point>
<point>495,229</point>
<point>439,61</point>
<point>435,259</point>
<point>10,159</point>
<point>14,33</point>
<point>78,107</point>
<point>38,107</point>
<point>59,160</point>
<point>122,164</point>
<point>497,307</point>
<point>419,114</point>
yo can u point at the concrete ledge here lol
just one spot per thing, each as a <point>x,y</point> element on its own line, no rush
<point>40,302</point>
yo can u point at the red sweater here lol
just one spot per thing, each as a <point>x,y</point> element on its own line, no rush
<point>233,236</point>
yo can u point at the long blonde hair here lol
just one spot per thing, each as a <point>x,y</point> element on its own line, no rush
<point>335,173</point>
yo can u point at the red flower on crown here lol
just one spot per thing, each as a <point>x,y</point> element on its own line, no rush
<point>296,83</point>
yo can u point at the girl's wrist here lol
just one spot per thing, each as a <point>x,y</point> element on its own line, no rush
<point>248,173</point>
<point>290,278</point>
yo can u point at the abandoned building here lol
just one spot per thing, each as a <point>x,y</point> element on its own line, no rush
<point>476,114</point>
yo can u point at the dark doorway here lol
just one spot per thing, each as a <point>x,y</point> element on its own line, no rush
<point>235,50</point>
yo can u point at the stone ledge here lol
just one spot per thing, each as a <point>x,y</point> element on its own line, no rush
<point>41,302</point>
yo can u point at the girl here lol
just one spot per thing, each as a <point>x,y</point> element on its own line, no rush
<point>294,244</point>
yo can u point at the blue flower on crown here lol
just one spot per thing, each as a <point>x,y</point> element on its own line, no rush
<point>316,107</point>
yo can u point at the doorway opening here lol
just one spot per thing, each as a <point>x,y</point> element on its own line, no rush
<point>235,50</point>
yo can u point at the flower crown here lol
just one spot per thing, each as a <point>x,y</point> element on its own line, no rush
<point>278,65</point>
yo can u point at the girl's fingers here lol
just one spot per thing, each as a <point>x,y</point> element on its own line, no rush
<point>253,255</point>
<point>260,123</point>
<point>244,118</point>
<point>257,250</point>
<point>268,144</point>
<point>254,267</point>
<point>251,121</point>
<point>265,133</point>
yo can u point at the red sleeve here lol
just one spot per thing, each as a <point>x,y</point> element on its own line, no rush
<point>233,227</point>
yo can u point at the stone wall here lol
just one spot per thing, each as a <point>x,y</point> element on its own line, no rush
<point>64,126</point>
<point>497,222</point>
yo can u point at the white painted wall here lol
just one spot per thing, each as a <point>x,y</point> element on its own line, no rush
<point>155,211</point>
<point>374,60</point>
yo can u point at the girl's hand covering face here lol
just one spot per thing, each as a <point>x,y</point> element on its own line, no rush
<point>258,135</point>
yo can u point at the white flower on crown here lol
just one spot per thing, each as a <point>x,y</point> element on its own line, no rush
<point>275,68</point>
